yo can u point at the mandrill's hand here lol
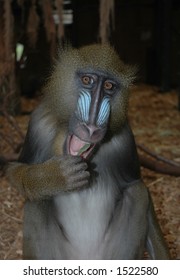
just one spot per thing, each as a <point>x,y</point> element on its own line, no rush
<point>58,174</point>
<point>71,171</point>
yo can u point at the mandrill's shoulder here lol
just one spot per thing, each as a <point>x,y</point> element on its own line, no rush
<point>118,155</point>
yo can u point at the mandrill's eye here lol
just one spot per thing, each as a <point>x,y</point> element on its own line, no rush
<point>87,80</point>
<point>108,85</point>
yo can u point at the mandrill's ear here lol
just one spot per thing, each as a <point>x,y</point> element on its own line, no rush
<point>129,75</point>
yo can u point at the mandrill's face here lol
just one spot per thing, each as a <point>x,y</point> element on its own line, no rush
<point>92,83</point>
<point>90,120</point>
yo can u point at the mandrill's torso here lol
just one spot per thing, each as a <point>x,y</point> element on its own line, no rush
<point>90,221</point>
<point>85,218</point>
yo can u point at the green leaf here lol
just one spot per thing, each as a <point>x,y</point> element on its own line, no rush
<point>84,148</point>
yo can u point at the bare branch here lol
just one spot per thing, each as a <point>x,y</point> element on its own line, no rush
<point>159,167</point>
<point>158,157</point>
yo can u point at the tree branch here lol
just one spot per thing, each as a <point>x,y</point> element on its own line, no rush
<point>156,156</point>
<point>159,167</point>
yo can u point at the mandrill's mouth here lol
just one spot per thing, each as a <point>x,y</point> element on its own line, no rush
<point>78,147</point>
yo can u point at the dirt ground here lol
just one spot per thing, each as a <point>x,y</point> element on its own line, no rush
<point>155,121</point>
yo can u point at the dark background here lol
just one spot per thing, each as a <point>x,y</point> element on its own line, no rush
<point>146,33</point>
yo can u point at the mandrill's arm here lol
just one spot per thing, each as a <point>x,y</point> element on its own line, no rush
<point>156,245</point>
<point>43,180</point>
<point>42,170</point>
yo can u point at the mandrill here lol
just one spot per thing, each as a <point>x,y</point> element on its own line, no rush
<point>79,168</point>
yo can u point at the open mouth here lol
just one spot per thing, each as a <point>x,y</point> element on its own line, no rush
<point>78,147</point>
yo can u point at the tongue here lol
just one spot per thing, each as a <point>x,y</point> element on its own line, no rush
<point>77,146</point>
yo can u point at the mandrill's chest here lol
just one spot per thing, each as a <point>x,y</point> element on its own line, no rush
<point>84,217</point>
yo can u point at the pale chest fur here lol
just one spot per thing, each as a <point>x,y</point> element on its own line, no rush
<point>84,217</point>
